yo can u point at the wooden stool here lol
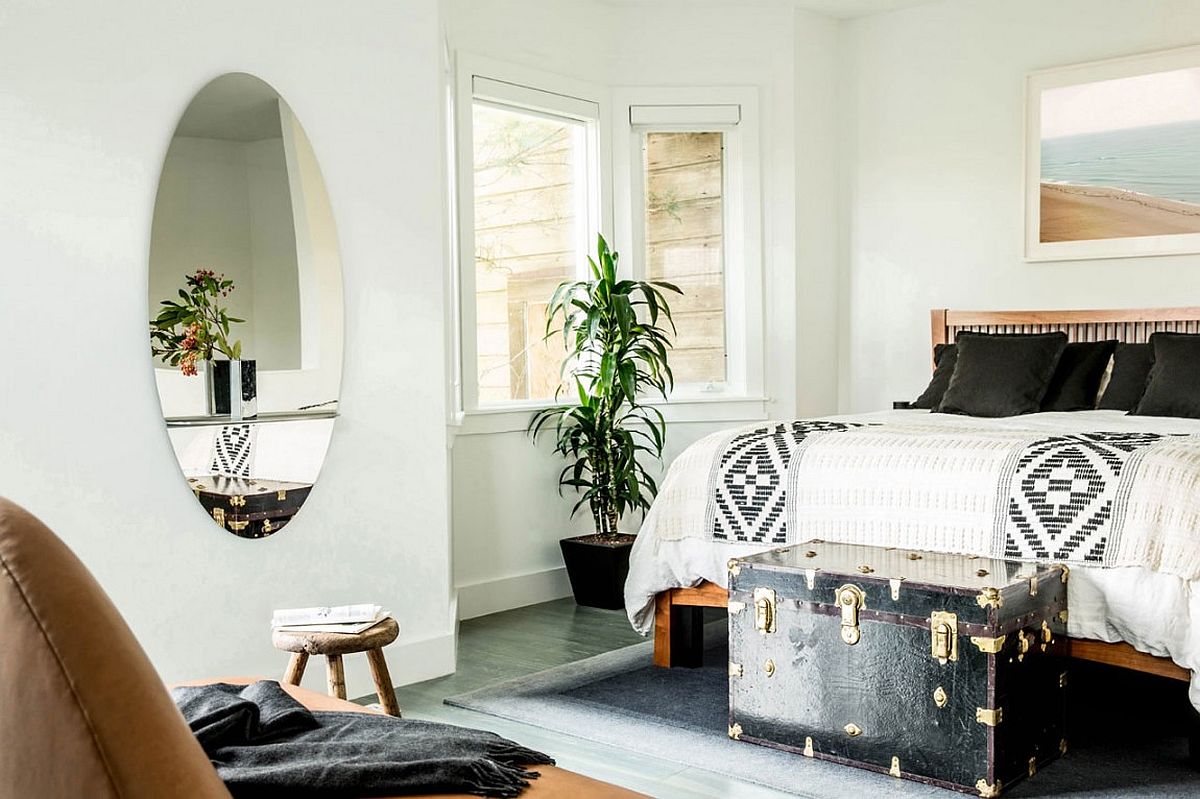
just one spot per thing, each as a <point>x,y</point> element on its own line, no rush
<point>333,646</point>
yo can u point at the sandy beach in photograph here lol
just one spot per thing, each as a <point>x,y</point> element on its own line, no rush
<point>1076,213</point>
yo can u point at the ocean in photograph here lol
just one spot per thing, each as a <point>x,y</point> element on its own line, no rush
<point>1126,183</point>
<point>1161,160</point>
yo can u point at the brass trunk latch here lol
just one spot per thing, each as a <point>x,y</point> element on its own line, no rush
<point>943,634</point>
<point>764,610</point>
<point>851,600</point>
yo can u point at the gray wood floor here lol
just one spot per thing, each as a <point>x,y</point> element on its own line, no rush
<point>518,642</point>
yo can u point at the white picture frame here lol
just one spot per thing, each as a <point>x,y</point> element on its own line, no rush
<point>1038,247</point>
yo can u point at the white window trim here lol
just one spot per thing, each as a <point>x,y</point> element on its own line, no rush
<point>536,90</point>
<point>615,214</point>
<point>704,109</point>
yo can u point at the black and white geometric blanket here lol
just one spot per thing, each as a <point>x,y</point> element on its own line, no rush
<point>1065,497</point>
<point>749,482</point>
<point>1099,498</point>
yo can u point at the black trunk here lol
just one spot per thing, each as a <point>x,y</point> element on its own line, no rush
<point>943,669</point>
<point>247,507</point>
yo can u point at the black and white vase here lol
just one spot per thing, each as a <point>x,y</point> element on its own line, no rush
<point>233,389</point>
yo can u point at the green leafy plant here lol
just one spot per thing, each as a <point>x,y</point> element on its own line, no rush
<point>616,354</point>
<point>197,327</point>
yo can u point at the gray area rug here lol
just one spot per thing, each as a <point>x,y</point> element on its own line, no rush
<point>1125,729</point>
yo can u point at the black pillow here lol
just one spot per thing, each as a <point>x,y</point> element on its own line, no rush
<point>944,356</point>
<point>1002,375</point>
<point>1174,385</point>
<point>1131,369</point>
<point>1076,381</point>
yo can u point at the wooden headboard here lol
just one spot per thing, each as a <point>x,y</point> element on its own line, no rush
<point>1132,325</point>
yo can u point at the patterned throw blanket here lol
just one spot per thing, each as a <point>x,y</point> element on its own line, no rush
<point>1104,499</point>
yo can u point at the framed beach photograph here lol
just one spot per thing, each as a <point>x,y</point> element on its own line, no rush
<point>1112,158</point>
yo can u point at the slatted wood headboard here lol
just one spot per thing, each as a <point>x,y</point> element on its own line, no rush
<point>1131,325</point>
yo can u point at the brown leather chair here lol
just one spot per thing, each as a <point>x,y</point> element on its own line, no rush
<point>82,711</point>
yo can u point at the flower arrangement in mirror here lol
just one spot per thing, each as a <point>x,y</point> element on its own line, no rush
<point>197,327</point>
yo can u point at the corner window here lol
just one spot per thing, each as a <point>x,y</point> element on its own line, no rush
<point>694,222</point>
<point>533,207</point>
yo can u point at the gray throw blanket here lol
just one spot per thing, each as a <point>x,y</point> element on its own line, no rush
<point>264,743</point>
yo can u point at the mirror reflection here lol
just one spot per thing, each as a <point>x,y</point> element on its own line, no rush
<point>245,305</point>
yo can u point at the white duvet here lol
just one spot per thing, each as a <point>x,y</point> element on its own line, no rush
<point>1154,612</point>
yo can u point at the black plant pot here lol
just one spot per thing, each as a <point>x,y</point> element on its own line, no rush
<point>597,568</point>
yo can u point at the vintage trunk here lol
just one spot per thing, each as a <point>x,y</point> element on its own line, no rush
<point>250,508</point>
<point>945,669</point>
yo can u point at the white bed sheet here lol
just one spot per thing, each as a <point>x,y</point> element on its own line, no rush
<point>1156,613</point>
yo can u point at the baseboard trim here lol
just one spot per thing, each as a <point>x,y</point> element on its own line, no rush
<point>507,593</point>
<point>409,661</point>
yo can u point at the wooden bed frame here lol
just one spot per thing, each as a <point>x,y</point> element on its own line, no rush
<point>678,614</point>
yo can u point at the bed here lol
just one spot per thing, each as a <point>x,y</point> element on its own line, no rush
<point>1135,596</point>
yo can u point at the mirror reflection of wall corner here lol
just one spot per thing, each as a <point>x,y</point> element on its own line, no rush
<point>241,194</point>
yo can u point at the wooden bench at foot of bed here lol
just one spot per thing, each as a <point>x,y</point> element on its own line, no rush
<point>679,618</point>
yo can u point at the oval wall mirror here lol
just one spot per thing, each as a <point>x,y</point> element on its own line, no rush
<point>245,306</point>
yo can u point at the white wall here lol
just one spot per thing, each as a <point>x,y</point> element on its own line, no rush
<point>507,514</point>
<point>89,96</point>
<point>934,104</point>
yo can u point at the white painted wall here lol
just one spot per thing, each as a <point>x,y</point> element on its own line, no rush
<point>89,96</point>
<point>934,109</point>
<point>507,514</point>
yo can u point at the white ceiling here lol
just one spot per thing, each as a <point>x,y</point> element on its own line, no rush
<point>839,9</point>
<point>848,9</point>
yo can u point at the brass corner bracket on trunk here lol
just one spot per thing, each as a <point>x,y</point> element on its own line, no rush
<point>989,716</point>
<point>735,731</point>
<point>990,596</point>
<point>988,645</point>
<point>735,669</point>
<point>734,567</point>
<point>986,790</point>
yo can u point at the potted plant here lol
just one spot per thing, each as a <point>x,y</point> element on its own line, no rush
<point>190,332</point>
<point>616,354</point>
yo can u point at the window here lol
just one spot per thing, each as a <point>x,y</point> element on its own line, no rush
<point>694,223</point>
<point>684,223</point>
<point>533,208</point>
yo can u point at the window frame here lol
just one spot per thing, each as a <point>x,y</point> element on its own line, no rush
<point>539,93</point>
<point>704,109</point>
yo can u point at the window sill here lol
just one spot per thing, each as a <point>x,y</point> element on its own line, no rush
<point>505,419</point>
